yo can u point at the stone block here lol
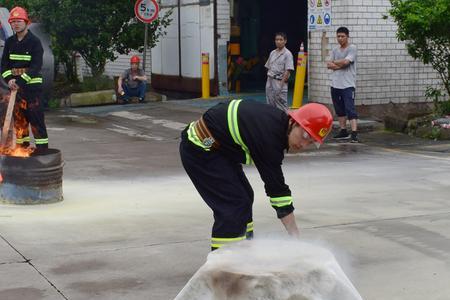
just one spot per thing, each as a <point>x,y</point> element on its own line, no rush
<point>91,98</point>
<point>155,97</point>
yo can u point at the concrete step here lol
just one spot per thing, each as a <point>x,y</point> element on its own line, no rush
<point>363,125</point>
<point>104,97</point>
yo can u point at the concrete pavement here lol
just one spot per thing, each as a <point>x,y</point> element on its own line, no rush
<point>132,226</point>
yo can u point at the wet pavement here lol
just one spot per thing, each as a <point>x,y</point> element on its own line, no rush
<point>132,226</point>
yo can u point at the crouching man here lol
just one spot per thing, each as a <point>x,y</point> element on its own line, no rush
<point>132,82</point>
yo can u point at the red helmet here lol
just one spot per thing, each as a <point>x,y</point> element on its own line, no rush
<point>18,13</point>
<point>315,118</point>
<point>135,59</point>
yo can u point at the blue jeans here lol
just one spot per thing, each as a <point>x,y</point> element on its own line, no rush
<point>138,91</point>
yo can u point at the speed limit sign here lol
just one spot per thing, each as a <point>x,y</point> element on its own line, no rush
<point>146,10</point>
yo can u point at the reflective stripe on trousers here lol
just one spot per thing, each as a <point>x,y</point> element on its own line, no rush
<point>217,242</point>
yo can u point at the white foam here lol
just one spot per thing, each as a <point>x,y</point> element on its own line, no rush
<point>270,270</point>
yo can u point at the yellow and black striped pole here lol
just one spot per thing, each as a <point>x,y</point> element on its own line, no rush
<point>205,76</point>
<point>300,76</point>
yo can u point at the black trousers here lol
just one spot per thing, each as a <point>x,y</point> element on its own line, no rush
<point>225,189</point>
<point>29,110</point>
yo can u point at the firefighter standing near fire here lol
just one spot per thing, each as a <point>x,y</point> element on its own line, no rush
<point>228,135</point>
<point>21,69</point>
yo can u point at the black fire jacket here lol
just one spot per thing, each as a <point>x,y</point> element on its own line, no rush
<point>26,54</point>
<point>260,137</point>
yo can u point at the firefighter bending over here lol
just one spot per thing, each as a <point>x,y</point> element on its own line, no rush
<point>228,135</point>
<point>21,69</point>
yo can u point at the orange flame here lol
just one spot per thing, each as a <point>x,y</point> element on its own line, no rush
<point>20,126</point>
<point>1,178</point>
<point>20,131</point>
<point>17,152</point>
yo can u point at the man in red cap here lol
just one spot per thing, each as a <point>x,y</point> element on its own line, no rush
<point>228,135</point>
<point>21,69</point>
<point>132,82</point>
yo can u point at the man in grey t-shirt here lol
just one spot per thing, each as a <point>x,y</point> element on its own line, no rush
<point>343,83</point>
<point>132,82</point>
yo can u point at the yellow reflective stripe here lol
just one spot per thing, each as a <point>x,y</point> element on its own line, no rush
<point>20,57</point>
<point>281,201</point>
<point>192,136</point>
<point>228,240</point>
<point>219,242</point>
<point>233,126</point>
<point>7,73</point>
<point>25,77</point>
<point>23,139</point>
<point>250,227</point>
<point>41,141</point>
<point>35,80</point>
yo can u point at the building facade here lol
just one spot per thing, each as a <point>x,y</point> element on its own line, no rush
<point>386,72</point>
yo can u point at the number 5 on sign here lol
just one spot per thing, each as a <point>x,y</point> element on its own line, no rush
<point>146,10</point>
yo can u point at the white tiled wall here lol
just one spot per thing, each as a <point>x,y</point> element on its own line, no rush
<point>386,72</point>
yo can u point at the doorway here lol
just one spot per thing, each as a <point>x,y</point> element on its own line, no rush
<point>253,27</point>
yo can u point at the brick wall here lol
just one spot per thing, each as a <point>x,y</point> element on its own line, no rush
<point>385,71</point>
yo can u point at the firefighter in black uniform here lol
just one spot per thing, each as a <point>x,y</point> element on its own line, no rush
<point>239,132</point>
<point>21,69</point>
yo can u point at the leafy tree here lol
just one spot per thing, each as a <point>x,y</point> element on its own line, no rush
<point>425,26</point>
<point>95,29</point>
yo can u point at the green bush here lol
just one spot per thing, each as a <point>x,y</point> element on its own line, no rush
<point>444,107</point>
<point>435,133</point>
<point>97,30</point>
<point>441,107</point>
<point>53,103</point>
<point>63,88</point>
<point>91,84</point>
<point>425,25</point>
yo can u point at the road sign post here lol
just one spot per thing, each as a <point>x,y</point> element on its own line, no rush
<point>146,11</point>
<point>144,60</point>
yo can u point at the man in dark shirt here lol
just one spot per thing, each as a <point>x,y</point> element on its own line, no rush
<point>213,148</point>
<point>21,69</point>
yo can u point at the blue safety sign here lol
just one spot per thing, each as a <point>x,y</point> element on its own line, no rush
<point>327,19</point>
<point>319,14</point>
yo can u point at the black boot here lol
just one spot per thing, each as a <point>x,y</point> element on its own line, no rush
<point>342,135</point>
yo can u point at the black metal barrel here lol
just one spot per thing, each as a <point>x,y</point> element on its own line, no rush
<point>32,180</point>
